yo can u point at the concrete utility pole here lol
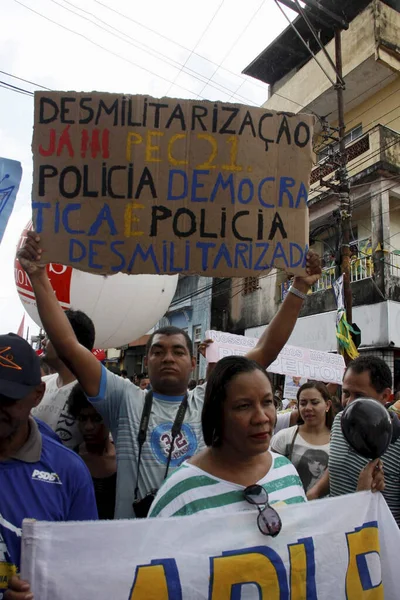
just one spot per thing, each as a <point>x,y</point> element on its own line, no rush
<point>320,13</point>
<point>343,188</point>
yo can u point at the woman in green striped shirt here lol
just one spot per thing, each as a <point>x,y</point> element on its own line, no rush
<point>238,420</point>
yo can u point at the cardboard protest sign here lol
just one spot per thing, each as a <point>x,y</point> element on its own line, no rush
<point>139,185</point>
<point>292,360</point>
<point>352,554</point>
<point>10,178</point>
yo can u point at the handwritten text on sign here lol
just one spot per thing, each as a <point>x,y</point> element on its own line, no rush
<point>134,184</point>
<point>292,360</point>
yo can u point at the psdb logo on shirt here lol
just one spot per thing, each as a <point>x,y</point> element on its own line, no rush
<point>46,476</point>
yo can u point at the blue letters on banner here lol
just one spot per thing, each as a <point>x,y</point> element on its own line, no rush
<point>10,178</point>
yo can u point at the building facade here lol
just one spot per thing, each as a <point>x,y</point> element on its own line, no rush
<point>371,70</point>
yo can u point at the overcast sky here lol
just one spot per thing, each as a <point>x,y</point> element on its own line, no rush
<point>159,47</point>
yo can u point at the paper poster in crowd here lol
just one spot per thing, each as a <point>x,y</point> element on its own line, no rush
<point>345,547</point>
<point>297,363</point>
<point>140,185</point>
<point>292,386</point>
<point>10,178</point>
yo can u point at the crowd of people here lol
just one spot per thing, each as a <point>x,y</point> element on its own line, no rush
<point>167,447</point>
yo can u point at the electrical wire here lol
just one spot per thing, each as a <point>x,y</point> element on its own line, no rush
<point>49,89</point>
<point>25,80</point>
<point>320,44</point>
<point>368,199</point>
<point>232,47</point>
<point>315,192</point>
<point>195,46</point>
<point>371,107</point>
<point>374,123</point>
<point>13,88</point>
<point>149,50</point>
<point>181,46</point>
<point>304,42</point>
<point>101,47</point>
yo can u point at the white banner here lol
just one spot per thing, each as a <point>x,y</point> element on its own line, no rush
<point>336,548</point>
<point>292,360</point>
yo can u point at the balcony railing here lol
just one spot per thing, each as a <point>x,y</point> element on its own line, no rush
<point>360,268</point>
<point>379,145</point>
<point>395,263</point>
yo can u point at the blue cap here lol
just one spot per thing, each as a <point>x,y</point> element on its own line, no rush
<point>19,367</point>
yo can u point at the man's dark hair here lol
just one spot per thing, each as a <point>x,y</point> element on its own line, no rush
<point>83,327</point>
<point>77,401</point>
<point>379,372</point>
<point>170,330</point>
<point>124,372</point>
<point>224,371</point>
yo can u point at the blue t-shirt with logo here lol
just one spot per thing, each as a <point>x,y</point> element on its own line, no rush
<point>56,488</point>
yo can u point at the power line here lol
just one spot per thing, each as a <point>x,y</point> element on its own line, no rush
<point>380,102</point>
<point>196,46</point>
<point>126,17</point>
<point>25,80</point>
<point>303,42</point>
<point>13,88</point>
<point>369,197</point>
<point>100,46</point>
<point>155,53</point>
<point>233,286</point>
<point>219,66</point>
<point>373,123</point>
<point>232,47</point>
<point>149,50</point>
<point>358,164</point>
<point>315,35</point>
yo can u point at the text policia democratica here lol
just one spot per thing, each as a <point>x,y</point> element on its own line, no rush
<point>134,184</point>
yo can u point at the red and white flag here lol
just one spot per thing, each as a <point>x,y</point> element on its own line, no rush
<point>21,328</point>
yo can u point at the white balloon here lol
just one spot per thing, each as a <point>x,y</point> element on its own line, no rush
<point>122,307</point>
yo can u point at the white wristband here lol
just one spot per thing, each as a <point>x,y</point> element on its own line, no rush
<point>297,293</point>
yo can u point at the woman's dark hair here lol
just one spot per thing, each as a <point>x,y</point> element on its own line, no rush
<point>323,390</point>
<point>77,401</point>
<point>224,371</point>
<point>303,468</point>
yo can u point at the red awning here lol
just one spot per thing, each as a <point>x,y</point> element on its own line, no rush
<point>142,341</point>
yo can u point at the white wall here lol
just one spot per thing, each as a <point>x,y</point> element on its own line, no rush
<point>318,332</point>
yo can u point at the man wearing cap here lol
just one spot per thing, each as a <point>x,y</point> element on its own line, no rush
<point>39,478</point>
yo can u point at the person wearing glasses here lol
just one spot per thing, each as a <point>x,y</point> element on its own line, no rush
<point>97,451</point>
<point>236,470</point>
